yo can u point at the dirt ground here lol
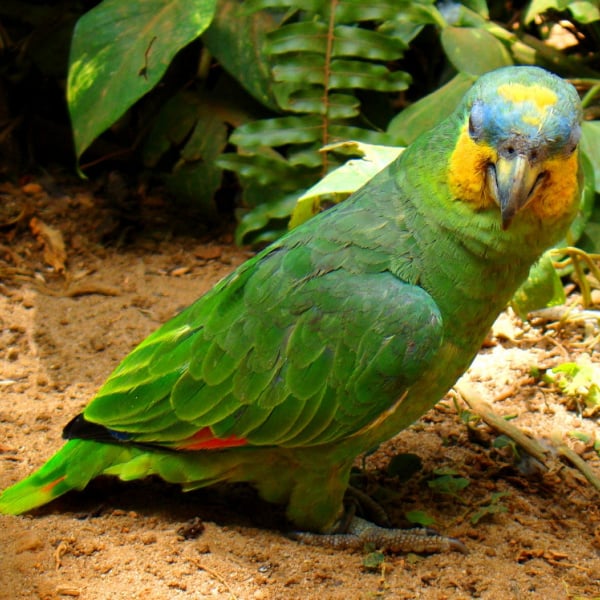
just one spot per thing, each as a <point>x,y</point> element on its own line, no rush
<point>61,334</point>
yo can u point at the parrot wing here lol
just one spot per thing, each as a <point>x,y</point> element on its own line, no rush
<point>276,354</point>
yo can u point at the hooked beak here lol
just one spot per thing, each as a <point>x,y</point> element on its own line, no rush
<point>512,181</point>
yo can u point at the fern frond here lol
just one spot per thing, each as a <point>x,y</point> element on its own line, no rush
<point>321,54</point>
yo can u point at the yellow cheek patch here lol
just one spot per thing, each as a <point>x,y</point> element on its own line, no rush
<point>541,96</point>
<point>466,171</point>
<point>560,189</point>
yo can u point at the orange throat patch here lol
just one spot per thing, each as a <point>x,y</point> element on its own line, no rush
<point>554,198</point>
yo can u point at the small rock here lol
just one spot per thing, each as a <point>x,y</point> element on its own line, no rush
<point>148,538</point>
<point>28,542</point>
<point>208,252</point>
<point>32,188</point>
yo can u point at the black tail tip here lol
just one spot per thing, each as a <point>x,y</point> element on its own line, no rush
<point>80,429</point>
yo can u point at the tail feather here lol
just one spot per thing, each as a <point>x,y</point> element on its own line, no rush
<point>80,460</point>
<point>70,468</point>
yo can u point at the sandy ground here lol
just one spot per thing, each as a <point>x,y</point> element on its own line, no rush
<point>62,334</point>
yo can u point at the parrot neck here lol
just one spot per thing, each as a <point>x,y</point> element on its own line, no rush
<point>462,256</point>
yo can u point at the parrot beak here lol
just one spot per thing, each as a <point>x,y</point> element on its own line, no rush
<point>512,183</point>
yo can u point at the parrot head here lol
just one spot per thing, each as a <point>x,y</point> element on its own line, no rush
<point>517,148</point>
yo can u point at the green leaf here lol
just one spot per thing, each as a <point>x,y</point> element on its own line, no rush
<point>344,180</point>
<point>542,288</point>
<point>309,5</point>
<point>305,36</point>
<point>474,51</point>
<point>586,206</point>
<point>579,379</point>
<point>171,127</point>
<point>373,561</point>
<point>236,38</point>
<point>256,226</point>
<point>418,517</point>
<point>342,74</point>
<point>312,100</point>
<point>371,45</point>
<point>278,132</point>
<point>503,441</point>
<point>120,50</point>
<point>590,145</point>
<point>493,508</point>
<point>355,11</point>
<point>449,484</point>
<point>584,12</point>
<point>424,114</point>
<point>538,7</point>
<point>312,36</point>
<point>479,6</point>
<point>264,170</point>
<point>190,127</point>
<point>359,74</point>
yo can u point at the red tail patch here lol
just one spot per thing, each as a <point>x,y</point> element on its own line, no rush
<point>47,489</point>
<point>205,440</point>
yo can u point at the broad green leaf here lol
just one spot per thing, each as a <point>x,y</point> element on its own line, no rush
<point>537,7</point>
<point>474,51</point>
<point>584,12</point>
<point>236,38</point>
<point>588,197</point>
<point>190,127</point>
<point>479,6</point>
<point>345,180</point>
<point>542,288</point>
<point>172,125</point>
<point>590,144</point>
<point>424,114</point>
<point>590,239</point>
<point>120,50</point>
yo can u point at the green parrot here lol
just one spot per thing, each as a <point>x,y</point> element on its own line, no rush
<point>347,329</point>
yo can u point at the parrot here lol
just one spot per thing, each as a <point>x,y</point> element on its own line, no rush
<point>348,328</point>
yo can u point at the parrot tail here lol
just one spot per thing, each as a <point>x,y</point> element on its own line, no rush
<point>72,467</point>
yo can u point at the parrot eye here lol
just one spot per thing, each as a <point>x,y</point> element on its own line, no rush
<point>573,140</point>
<point>476,119</point>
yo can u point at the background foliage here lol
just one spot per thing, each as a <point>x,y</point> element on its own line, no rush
<point>229,103</point>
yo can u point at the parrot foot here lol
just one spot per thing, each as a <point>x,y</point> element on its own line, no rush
<point>361,532</point>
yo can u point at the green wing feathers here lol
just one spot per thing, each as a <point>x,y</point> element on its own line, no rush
<point>307,356</point>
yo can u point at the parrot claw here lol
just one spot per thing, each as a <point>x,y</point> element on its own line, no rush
<point>361,532</point>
